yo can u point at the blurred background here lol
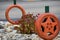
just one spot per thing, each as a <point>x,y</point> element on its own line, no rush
<point>30,6</point>
<point>29,0</point>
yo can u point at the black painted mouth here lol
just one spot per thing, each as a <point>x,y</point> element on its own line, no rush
<point>49,33</point>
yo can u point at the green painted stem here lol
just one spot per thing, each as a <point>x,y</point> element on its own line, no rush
<point>46,9</point>
<point>14,2</point>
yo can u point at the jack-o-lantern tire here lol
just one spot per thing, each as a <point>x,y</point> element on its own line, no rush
<point>9,8</point>
<point>47,26</point>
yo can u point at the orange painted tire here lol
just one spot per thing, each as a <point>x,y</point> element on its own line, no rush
<point>7,13</point>
<point>47,26</point>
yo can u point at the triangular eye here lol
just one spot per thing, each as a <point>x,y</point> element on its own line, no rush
<point>42,28</point>
<point>52,20</point>
<point>44,20</point>
<point>54,27</point>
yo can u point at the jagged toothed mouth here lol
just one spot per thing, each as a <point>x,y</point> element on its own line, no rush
<point>49,33</point>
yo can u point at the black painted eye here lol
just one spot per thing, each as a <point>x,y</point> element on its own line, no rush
<point>54,27</point>
<point>44,20</point>
<point>52,20</point>
<point>42,28</point>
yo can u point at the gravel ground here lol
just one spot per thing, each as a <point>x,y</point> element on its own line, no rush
<point>15,36</point>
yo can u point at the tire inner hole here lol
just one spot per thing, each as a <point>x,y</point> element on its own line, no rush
<point>42,28</point>
<point>52,20</point>
<point>44,20</point>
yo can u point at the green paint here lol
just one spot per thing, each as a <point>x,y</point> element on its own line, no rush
<point>14,2</point>
<point>46,9</point>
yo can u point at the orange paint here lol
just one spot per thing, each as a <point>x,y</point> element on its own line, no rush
<point>47,26</point>
<point>9,8</point>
